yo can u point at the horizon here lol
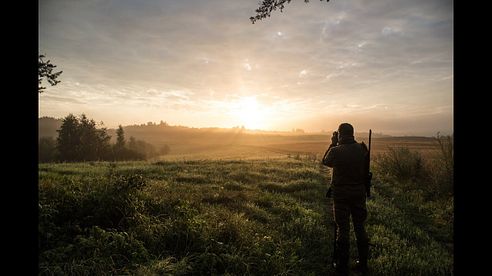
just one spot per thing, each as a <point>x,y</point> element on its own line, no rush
<point>292,131</point>
<point>384,65</point>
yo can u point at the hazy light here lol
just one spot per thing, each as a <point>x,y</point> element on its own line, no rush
<point>247,66</point>
<point>249,113</point>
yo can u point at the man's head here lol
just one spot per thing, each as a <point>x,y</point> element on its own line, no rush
<point>345,130</point>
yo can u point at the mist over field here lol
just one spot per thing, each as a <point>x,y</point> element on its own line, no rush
<point>230,143</point>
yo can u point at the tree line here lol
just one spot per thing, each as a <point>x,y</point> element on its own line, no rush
<point>79,140</point>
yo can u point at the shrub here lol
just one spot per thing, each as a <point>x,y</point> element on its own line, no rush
<point>401,164</point>
<point>47,150</point>
<point>442,166</point>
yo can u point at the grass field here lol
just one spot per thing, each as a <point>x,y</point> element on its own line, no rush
<point>309,146</point>
<point>263,216</point>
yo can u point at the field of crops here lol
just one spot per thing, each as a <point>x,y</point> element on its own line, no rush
<point>225,217</point>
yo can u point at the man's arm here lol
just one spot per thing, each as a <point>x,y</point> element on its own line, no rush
<point>327,159</point>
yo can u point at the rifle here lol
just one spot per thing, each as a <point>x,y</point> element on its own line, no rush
<point>369,173</point>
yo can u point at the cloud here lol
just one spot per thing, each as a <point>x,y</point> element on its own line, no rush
<point>174,53</point>
<point>387,31</point>
<point>303,73</point>
<point>61,99</point>
<point>247,66</point>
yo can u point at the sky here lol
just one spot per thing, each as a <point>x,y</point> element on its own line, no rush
<point>385,65</point>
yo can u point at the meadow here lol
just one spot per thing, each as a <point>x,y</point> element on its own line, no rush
<point>234,214</point>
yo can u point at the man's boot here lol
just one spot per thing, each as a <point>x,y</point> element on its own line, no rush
<point>361,263</point>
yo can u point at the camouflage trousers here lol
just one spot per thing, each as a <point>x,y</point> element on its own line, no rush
<point>344,207</point>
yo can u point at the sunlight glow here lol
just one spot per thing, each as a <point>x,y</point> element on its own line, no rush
<point>249,113</point>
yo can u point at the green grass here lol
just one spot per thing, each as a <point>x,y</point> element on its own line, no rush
<point>229,217</point>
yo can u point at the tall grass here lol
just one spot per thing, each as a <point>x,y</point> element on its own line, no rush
<point>83,223</point>
<point>422,187</point>
<point>442,168</point>
<point>433,175</point>
<point>401,164</point>
<point>254,217</point>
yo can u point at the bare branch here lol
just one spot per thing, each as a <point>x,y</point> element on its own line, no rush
<point>45,70</point>
<point>267,6</point>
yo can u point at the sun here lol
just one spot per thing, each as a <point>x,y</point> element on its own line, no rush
<point>250,113</point>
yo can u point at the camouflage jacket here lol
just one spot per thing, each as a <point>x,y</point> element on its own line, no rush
<point>349,163</point>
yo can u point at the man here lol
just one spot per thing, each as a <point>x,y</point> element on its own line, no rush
<point>349,162</point>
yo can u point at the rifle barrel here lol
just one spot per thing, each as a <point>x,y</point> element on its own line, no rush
<point>369,173</point>
<point>370,134</point>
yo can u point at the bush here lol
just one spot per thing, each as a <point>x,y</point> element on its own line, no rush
<point>441,168</point>
<point>124,154</point>
<point>434,175</point>
<point>47,150</point>
<point>401,164</point>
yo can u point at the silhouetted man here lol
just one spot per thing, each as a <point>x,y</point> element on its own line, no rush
<point>349,162</point>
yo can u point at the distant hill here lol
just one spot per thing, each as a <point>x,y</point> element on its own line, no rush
<point>48,126</point>
<point>164,134</point>
<point>184,141</point>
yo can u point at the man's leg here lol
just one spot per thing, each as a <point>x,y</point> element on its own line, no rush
<point>359,216</point>
<point>342,216</point>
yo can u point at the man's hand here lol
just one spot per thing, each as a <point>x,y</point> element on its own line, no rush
<point>334,138</point>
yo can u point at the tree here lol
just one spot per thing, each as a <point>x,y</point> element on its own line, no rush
<point>142,148</point>
<point>267,6</point>
<point>79,140</point>
<point>103,147</point>
<point>68,138</point>
<point>88,147</point>
<point>132,144</point>
<point>119,150</point>
<point>120,137</point>
<point>45,70</point>
<point>46,149</point>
